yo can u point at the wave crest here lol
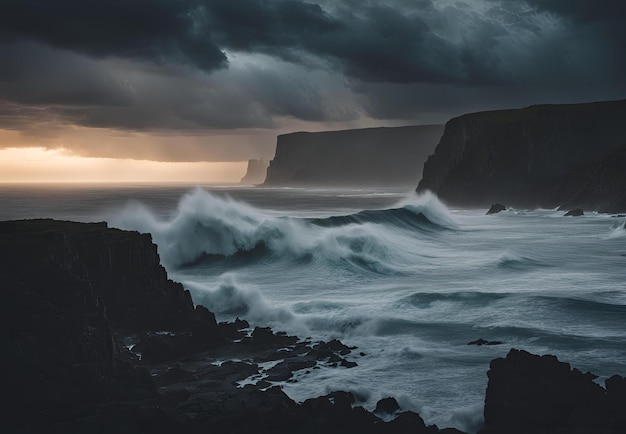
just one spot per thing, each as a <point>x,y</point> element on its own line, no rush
<point>207,226</point>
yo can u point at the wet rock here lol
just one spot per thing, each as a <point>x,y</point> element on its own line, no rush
<point>575,213</point>
<point>387,405</point>
<point>481,341</point>
<point>265,337</point>
<point>233,330</point>
<point>496,208</point>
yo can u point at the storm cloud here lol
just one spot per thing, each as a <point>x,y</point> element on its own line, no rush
<point>197,66</point>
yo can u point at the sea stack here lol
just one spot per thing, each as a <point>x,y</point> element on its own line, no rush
<point>540,156</point>
<point>255,174</point>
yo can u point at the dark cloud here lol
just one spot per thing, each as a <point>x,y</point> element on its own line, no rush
<point>200,65</point>
<point>155,30</point>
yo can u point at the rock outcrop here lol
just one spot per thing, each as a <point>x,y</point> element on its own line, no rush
<point>362,157</point>
<point>495,208</point>
<point>539,394</point>
<point>255,173</point>
<point>548,155</point>
<point>98,339</point>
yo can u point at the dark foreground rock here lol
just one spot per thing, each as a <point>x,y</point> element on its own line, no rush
<point>539,394</point>
<point>99,340</point>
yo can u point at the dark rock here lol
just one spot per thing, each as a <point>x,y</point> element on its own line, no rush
<point>547,155</point>
<point>531,394</point>
<point>363,157</point>
<point>574,213</point>
<point>265,337</point>
<point>496,208</point>
<point>233,330</point>
<point>387,405</point>
<point>481,341</point>
<point>409,422</point>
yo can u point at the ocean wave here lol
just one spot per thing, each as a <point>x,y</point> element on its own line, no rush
<point>514,261</point>
<point>466,299</point>
<point>229,298</point>
<point>209,227</point>
<point>618,230</point>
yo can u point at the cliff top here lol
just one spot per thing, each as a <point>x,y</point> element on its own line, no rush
<point>370,129</point>
<point>526,113</point>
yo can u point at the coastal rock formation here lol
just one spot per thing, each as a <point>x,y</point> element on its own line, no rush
<point>98,339</point>
<point>362,157</point>
<point>496,208</point>
<point>255,173</point>
<point>577,212</point>
<point>598,185</point>
<point>547,155</point>
<point>539,394</point>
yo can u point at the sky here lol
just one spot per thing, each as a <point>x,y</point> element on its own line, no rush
<point>188,90</point>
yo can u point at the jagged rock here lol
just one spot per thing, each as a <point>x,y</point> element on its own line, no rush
<point>496,208</point>
<point>539,394</point>
<point>264,336</point>
<point>387,405</point>
<point>233,330</point>
<point>362,157</point>
<point>574,213</point>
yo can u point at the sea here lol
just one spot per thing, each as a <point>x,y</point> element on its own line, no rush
<point>401,276</point>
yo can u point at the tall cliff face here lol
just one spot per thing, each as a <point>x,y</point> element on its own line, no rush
<point>66,290</point>
<point>364,157</point>
<point>255,173</point>
<point>521,157</point>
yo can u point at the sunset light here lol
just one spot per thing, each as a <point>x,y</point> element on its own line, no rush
<point>58,165</point>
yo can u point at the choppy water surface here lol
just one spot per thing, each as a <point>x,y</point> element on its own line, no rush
<point>406,279</point>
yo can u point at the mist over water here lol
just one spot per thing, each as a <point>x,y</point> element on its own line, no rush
<point>406,279</point>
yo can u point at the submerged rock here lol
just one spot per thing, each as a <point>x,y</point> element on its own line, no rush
<point>481,341</point>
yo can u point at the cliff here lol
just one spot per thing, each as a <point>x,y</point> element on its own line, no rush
<point>363,157</point>
<point>255,173</point>
<point>67,290</point>
<point>547,156</point>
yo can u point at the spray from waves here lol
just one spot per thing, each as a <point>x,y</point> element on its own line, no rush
<point>208,226</point>
<point>231,298</point>
<point>618,230</point>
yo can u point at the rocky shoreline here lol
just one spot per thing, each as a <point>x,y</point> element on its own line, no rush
<point>100,340</point>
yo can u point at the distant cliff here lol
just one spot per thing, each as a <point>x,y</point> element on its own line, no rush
<point>255,174</point>
<point>363,157</point>
<point>547,155</point>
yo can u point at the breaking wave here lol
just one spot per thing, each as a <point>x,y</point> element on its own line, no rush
<point>618,230</point>
<point>208,227</point>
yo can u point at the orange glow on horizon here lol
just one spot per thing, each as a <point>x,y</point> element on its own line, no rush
<point>57,165</point>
